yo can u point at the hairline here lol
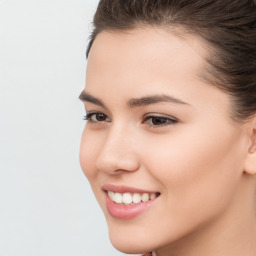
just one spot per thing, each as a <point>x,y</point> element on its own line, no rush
<point>184,32</point>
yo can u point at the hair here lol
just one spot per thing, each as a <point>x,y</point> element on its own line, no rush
<point>227,26</point>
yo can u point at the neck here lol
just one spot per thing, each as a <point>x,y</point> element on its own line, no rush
<point>231,233</point>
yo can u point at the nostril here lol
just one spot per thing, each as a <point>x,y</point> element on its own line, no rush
<point>117,154</point>
<point>117,163</point>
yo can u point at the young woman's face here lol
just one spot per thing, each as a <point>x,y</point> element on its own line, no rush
<point>158,138</point>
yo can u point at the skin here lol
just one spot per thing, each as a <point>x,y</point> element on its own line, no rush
<point>203,164</point>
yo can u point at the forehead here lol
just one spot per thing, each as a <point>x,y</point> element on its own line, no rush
<point>146,49</point>
<point>144,56</point>
<point>142,62</point>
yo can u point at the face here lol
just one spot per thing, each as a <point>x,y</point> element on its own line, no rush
<point>159,148</point>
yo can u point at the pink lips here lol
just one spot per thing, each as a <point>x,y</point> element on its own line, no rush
<point>123,189</point>
<point>130,211</point>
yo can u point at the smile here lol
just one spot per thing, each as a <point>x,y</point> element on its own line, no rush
<point>131,198</point>
<point>126,203</point>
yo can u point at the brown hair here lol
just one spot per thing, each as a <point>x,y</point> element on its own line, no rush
<point>228,27</point>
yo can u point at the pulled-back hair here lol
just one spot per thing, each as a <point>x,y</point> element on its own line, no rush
<point>227,26</point>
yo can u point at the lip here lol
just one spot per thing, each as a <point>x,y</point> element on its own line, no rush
<point>123,189</point>
<point>121,211</point>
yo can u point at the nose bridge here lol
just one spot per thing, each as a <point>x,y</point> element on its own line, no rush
<point>118,152</point>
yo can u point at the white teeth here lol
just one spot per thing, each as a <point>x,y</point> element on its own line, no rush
<point>111,195</point>
<point>152,196</point>
<point>136,198</point>
<point>145,197</point>
<point>129,198</point>
<point>118,198</point>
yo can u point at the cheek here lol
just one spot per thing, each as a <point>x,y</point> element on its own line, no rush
<point>89,150</point>
<point>197,169</point>
<point>197,177</point>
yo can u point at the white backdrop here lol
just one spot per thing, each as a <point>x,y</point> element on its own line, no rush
<point>46,204</point>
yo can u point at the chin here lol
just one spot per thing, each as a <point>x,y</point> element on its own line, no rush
<point>129,245</point>
<point>129,239</point>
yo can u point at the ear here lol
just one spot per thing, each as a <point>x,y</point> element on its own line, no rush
<point>250,162</point>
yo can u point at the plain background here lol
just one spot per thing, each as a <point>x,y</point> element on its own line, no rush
<point>46,204</point>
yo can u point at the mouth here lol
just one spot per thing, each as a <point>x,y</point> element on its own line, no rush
<point>131,198</point>
<point>126,202</point>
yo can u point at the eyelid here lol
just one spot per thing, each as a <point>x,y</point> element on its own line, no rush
<point>160,115</point>
<point>89,115</point>
<point>170,120</point>
<point>164,120</point>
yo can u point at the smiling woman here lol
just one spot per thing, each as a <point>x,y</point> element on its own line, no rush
<point>169,145</point>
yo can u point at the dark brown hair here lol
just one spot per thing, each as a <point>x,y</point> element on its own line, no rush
<point>228,27</point>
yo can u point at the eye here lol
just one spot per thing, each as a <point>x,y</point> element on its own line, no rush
<point>96,117</point>
<point>159,121</point>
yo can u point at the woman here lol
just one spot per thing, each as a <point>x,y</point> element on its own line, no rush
<point>169,146</point>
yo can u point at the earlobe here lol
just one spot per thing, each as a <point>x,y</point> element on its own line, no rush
<point>250,163</point>
<point>252,149</point>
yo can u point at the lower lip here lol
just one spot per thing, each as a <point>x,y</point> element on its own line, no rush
<point>121,211</point>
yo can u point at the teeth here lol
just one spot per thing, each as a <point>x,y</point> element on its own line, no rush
<point>145,197</point>
<point>129,198</point>
<point>152,196</point>
<point>111,194</point>
<point>136,198</point>
<point>118,198</point>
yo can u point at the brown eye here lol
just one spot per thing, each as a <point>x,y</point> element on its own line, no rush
<point>97,117</point>
<point>158,121</point>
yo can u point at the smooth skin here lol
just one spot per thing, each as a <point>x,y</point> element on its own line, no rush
<point>201,161</point>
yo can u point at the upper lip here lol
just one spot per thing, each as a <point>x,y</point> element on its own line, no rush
<point>123,189</point>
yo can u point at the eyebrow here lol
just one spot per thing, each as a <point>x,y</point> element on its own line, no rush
<point>153,99</point>
<point>84,96</point>
<point>137,102</point>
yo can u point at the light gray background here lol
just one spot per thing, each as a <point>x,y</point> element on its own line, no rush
<point>46,204</point>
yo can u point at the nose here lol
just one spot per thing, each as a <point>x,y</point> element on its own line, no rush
<point>118,153</point>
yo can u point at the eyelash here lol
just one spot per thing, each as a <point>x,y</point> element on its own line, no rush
<point>88,117</point>
<point>165,120</point>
